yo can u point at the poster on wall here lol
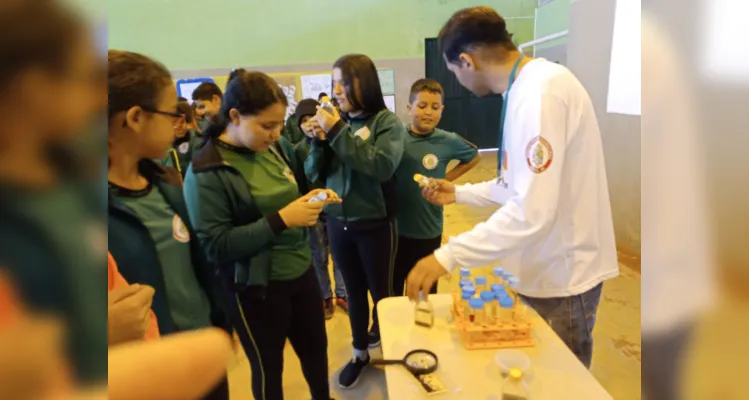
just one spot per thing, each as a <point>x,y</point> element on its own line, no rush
<point>185,87</point>
<point>390,102</point>
<point>289,84</point>
<point>387,81</point>
<point>313,85</point>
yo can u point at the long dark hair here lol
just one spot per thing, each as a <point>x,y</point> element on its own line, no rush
<point>134,80</point>
<point>358,71</point>
<point>249,93</point>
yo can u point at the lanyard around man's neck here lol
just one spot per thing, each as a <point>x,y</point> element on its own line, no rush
<point>500,155</point>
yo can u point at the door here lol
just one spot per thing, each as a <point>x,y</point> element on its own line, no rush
<point>476,119</point>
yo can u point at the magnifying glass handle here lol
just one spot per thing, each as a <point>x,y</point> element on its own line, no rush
<point>387,362</point>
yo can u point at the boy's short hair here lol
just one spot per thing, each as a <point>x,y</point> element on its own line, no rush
<point>321,95</point>
<point>473,28</point>
<point>426,85</point>
<point>205,91</point>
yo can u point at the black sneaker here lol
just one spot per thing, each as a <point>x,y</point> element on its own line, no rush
<point>328,308</point>
<point>351,372</point>
<point>373,340</point>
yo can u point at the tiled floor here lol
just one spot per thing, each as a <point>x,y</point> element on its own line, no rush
<point>616,361</point>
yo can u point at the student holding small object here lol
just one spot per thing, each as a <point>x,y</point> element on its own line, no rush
<point>150,234</point>
<point>244,195</point>
<point>554,230</point>
<point>357,156</point>
<point>427,151</point>
<point>305,110</point>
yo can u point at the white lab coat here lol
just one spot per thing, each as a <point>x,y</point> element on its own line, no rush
<point>554,229</point>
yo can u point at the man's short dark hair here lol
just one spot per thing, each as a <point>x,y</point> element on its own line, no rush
<point>472,28</point>
<point>205,91</point>
<point>426,85</point>
<point>321,95</point>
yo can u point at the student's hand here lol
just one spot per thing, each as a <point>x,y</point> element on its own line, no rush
<point>325,119</point>
<point>179,366</point>
<point>439,192</point>
<point>128,316</point>
<point>423,276</point>
<point>301,212</point>
<point>312,129</point>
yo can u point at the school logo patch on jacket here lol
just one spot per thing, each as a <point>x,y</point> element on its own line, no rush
<point>184,147</point>
<point>539,154</point>
<point>363,133</point>
<point>179,230</point>
<point>430,161</point>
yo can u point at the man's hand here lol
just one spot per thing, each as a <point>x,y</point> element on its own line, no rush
<point>439,192</point>
<point>423,276</point>
<point>129,308</point>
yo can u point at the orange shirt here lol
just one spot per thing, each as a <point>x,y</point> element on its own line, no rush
<point>116,280</point>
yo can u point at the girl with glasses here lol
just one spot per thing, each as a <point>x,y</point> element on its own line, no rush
<point>150,234</point>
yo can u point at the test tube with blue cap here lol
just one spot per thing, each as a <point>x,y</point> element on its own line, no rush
<point>512,287</point>
<point>465,282</point>
<point>490,307</point>
<point>497,289</point>
<point>498,273</point>
<point>465,299</point>
<point>477,311</point>
<point>505,308</point>
<point>481,283</point>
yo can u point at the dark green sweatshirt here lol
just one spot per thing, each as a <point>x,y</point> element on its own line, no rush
<point>241,235</point>
<point>358,162</point>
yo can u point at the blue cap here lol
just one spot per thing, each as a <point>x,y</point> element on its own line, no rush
<point>465,272</point>
<point>476,304</point>
<point>497,288</point>
<point>514,281</point>
<point>502,295</point>
<point>507,275</point>
<point>466,295</point>
<point>481,280</point>
<point>466,282</point>
<point>506,302</point>
<point>498,271</point>
<point>470,289</point>
<point>487,296</point>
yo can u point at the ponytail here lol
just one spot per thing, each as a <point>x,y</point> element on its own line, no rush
<point>216,127</point>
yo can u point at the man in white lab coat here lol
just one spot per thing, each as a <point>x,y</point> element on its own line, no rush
<point>554,229</point>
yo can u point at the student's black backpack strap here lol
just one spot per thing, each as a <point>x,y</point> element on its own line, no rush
<point>301,178</point>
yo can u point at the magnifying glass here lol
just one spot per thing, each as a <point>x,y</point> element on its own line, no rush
<point>417,362</point>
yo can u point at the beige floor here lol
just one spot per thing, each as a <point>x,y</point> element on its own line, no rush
<point>616,361</point>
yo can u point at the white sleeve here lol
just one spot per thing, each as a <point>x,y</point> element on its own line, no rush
<point>531,211</point>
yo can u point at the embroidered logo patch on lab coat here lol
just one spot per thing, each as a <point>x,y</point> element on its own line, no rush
<point>430,161</point>
<point>539,154</point>
<point>184,147</point>
<point>363,133</point>
<point>179,230</point>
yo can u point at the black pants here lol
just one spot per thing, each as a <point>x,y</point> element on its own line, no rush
<point>291,309</point>
<point>662,359</point>
<point>366,258</point>
<point>220,391</point>
<point>410,251</point>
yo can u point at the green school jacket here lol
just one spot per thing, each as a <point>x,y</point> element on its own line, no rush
<point>358,162</point>
<point>292,132</point>
<point>235,235</point>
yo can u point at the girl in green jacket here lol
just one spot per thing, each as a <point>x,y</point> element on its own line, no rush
<point>244,196</point>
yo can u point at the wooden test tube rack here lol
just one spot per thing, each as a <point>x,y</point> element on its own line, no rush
<point>504,334</point>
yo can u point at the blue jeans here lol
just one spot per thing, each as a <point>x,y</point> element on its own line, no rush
<point>572,318</point>
<point>318,239</point>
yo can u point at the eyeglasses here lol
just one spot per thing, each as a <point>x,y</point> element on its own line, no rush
<point>167,113</point>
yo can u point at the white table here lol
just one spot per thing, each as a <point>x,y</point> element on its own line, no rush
<point>555,372</point>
